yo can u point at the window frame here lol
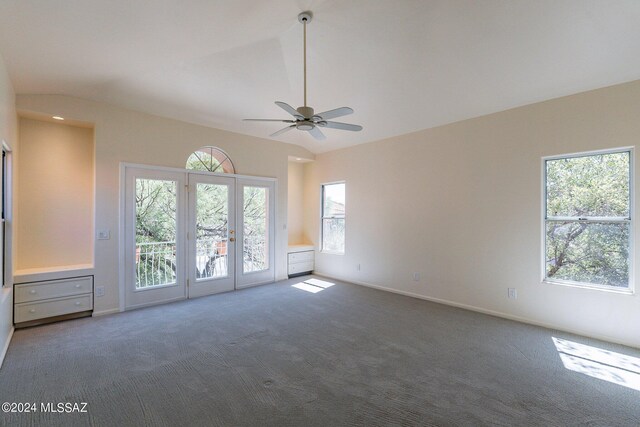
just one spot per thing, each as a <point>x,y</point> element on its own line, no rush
<point>7,215</point>
<point>212,149</point>
<point>630,289</point>
<point>3,216</point>
<point>322,218</point>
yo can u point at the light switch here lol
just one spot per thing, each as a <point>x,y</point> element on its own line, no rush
<point>104,234</point>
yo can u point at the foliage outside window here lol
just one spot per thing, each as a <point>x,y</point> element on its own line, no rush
<point>155,232</point>
<point>588,219</point>
<point>255,229</point>
<point>210,159</point>
<point>333,217</point>
<point>212,218</point>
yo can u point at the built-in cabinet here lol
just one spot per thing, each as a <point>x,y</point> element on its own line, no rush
<point>300,260</point>
<point>52,295</point>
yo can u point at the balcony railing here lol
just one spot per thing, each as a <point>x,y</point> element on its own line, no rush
<point>255,254</point>
<point>156,262</point>
<point>211,258</point>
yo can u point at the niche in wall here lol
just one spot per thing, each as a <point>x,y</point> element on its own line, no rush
<point>295,203</point>
<point>55,200</point>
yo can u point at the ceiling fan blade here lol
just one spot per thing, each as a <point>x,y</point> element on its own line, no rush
<point>268,120</point>
<point>342,126</point>
<point>317,133</point>
<point>337,112</point>
<point>289,109</point>
<point>283,130</point>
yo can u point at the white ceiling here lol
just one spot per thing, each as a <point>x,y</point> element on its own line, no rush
<point>402,65</point>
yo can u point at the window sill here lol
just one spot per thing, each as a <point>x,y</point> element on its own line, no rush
<point>332,253</point>
<point>611,289</point>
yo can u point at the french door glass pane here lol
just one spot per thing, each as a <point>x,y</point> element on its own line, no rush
<point>155,203</point>
<point>333,234</point>
<point>256,225</point>
<point>588,252</point>
<point>212,217</point>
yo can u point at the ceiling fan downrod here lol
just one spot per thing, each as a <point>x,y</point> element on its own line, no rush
<point>305,18</point>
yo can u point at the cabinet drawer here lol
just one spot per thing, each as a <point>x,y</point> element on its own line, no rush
<point>297,257</point>
<point>57,307</point>
<point>301,267</point>
<point>53,289</point>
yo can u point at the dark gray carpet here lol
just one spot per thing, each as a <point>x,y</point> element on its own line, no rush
<point>277,355</point>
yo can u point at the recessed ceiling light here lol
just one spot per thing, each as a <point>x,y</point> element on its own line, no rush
<point>298,158</point>
<point>57,118</point>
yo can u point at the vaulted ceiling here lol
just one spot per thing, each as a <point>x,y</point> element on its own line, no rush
<point>402,65</point>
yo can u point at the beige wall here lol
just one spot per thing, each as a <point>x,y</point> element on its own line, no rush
<point>127,136</point>
<point>295,205</point>
<point>8,134</point>
<point>461,205</point>
<point>56,195</point>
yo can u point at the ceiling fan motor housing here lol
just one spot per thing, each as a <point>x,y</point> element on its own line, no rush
<point>306,112</point>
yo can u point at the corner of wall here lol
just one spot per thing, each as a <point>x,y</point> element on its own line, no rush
<point>8,134</point>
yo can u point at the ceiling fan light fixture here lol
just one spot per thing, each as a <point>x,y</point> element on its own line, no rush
<point>305,125</point>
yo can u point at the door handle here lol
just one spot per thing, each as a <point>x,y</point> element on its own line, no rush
<point>232,239</point>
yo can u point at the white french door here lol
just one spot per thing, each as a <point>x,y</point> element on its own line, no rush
<point>154,237</point>
<point>211,239</point>
<point>255,247</point>
<point>192,234</point>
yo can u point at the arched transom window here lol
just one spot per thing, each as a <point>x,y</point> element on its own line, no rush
<point>210,159</point>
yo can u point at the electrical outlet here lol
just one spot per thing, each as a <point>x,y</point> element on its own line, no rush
<point>99,291</point>
<point>512,293</point>
<point>416,277</point>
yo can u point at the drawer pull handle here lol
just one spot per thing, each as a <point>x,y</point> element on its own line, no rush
<point>32,292</point>
<point>77,286</point>
<point>33,310</point>
<point>78,303</point>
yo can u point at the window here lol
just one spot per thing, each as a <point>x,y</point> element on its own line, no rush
<point>210,159</point>
<point>588,219</point>
<point>333,210</point>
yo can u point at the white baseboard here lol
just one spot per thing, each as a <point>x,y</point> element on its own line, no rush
<point>105,312</point>
<point>484,311</point>
<point>6,346</point>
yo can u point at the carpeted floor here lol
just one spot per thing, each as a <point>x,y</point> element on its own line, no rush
<point>346,355</point>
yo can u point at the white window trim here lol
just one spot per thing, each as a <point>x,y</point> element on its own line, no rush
<point>630,290</point>
<point>321,240</point>
<point>7,280</point>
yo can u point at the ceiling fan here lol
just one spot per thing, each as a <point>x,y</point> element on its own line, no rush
<point>304,118</point>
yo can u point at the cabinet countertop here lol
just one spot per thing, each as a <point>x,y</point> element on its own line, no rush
<point>300,248</point>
